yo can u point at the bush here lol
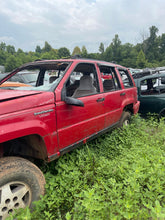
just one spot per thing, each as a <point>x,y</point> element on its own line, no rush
<point>120,175</point>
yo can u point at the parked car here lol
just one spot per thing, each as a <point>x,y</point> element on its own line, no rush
<point>47,120</point>
<point>75,76</point>
<point>134,71</point>
<point>27,77</point>
<point>151,92</point>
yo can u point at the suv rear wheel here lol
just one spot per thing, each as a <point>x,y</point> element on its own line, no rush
<point>125,118</point>
<point>21,182</point>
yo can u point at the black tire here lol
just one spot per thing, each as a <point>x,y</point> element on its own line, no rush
<point>161,114</point>
<point>21,183</point>
<point>125,119</point>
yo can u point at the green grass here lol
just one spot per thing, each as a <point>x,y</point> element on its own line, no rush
<point>120,175</point>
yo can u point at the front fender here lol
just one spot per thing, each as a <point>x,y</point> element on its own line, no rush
<point>23,128</point>
<point>15,130</point>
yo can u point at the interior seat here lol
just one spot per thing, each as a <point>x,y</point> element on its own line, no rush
<point>86,87</point>
<point>72,88</point>
<point>108,85</point>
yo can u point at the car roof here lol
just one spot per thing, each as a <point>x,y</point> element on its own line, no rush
<point>149,71</point>
<point>69,60</point>
<point>155,75</point>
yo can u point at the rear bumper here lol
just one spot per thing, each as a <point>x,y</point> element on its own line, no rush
<point>136,107</point>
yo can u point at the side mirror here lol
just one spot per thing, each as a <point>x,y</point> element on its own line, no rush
<point>70,100</point>
<point>73,101</point>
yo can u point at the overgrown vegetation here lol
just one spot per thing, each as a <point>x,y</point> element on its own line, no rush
<point>150,52</point>
<point>120,175</point>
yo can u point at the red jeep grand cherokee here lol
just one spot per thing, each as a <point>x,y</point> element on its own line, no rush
<point>47,120</point>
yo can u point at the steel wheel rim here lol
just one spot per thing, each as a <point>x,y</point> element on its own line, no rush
<point>14,195</point>
<point>126,122</point>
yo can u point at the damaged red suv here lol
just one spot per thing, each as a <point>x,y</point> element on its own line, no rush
<point>45,121</point>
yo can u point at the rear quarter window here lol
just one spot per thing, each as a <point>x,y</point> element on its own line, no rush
<point>126,79</point>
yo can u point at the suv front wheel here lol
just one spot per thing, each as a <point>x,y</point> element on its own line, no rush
<point>21,183</point>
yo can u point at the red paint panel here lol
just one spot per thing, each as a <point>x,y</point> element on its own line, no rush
<point>76,123</point>
<point>30,115</point>
<point>113,107</point>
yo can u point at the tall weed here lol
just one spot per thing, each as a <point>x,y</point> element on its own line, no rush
<point>120,175</point>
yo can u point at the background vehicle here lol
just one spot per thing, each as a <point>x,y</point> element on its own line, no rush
<point>2,75</point>
<point>151,93</point>
<point>47,120</point>
<point>27,77</point>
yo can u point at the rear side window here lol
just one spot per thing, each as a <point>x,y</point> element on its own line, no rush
<point>152,86</point>
<point>109,78</point>
<point>127,81</point>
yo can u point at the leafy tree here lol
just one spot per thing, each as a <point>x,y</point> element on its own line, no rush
<point>54,53</point>
<point>152,44</point>
<point>162,63</point>
<point>162,47</point>
<point>2,58</point>
<point>141,61</point>
<point>128,55</point>
<point>46,56</point>
<point>162,43</point>
<point>84,52</point>
<point>2,46</point>
<point>38,49</point>
<point>76,51</point>
<point>108,54</point>
<point>31,56</point>
<point>47,47</point>
<point>93,56</point>
<point>10,49</point>
<point>116,48</point>
<point>19,51</point>
<point>101,48</point>
<point>22,57</point>
<point>143,36</point>
<point>11,63</point>
<point>63,52</point>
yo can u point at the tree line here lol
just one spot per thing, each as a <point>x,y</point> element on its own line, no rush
<point>149,53</point>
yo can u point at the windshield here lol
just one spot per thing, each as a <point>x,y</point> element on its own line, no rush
<point>42,77</point>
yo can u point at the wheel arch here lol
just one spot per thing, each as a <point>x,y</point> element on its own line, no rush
<point>29,146</point>
<point>128,108</point>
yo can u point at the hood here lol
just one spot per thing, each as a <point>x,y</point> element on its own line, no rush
<point>6,95</point>
<point>16,100</point>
